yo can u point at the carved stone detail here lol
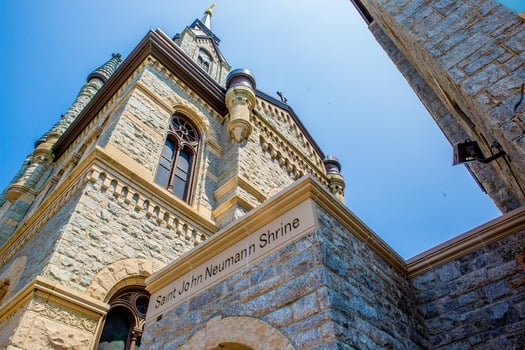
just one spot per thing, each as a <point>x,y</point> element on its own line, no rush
<point>63,315</point>
<point>115,186</point>
<point>287,157</point>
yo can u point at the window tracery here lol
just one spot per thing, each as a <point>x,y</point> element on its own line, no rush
<point>177,161</point>
<point>124,322</point>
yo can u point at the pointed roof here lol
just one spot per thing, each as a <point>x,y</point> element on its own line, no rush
<point>202,31</point>
<point>104,72</point>
<point>201,28</point>
<point>206,18</point>
<point>107,69</point>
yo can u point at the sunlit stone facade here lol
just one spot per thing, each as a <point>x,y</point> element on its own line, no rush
<point>173,178</point>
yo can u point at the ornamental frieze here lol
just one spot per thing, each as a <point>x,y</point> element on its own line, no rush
<point>63,315</point>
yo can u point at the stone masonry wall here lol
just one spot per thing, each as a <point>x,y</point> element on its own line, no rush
<point>139,128</point>
<point>315,298</point>
<point>190,45</point>
<point>105,228</point>
<point>39,249</point>
<point>47,325</point>
<point>258,167</point>
<point>446,121</point>
<point>478,300</point>
<point>471,53</point>
<point>373,306</point>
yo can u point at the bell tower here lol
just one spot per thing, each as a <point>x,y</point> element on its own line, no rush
<point>202,46</point>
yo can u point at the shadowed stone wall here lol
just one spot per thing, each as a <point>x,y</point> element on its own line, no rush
<point>327,290</point>
<point>464,60</point>
<point>478,300</point>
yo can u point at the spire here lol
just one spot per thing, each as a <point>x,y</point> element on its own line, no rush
<point>95,80</point>
<point>107,69</point>
<point>206,18</point>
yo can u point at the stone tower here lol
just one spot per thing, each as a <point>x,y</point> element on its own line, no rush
<point>176,206</point>
<point>155,155</point>
<point>465,61</point>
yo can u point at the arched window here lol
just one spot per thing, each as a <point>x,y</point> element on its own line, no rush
<point>204,60</point>
<point>177,161</point>
<point>125,321</point>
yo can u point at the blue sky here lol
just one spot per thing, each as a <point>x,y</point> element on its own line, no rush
<point>396,162</point>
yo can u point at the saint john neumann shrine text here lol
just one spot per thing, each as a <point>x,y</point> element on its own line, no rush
<point>265,241</point>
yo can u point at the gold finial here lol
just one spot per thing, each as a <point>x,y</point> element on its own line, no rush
<point>209,11</point>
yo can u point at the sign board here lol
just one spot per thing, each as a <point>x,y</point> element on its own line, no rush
<point>289,226</point>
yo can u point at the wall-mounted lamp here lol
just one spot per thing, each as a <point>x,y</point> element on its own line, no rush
<point>469,151</point>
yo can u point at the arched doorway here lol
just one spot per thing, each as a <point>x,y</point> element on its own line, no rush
<point>237,333</point>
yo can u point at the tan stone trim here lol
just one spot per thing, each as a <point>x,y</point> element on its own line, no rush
<point>231,202</point>
<point>303,189</point>
<point>238,330</point>
<point>155,195</point>
<point>173,102</point>
<point>59,295</point>
<point>132,165</point>
<point>68,298</point>
<point>214,148</point>
<point>194,98</point>
<point>474,239</point>
<point>521,16</point>
<point>15,303</point>
<point>352,223</point>
<point>238,181</point>
<point>179,213</point>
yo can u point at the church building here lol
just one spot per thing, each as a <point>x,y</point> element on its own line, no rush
<point>176,206</point>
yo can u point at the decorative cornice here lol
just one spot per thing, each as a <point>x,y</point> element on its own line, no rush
<point>113,175</point>
<point>283,106</point>
<point>287,154</point>
<point>309,188</point>
<point>303,189</point>
<point>69,305</point>
<point>157,202</point>
<point>501,227</point>
<point>235,199</point>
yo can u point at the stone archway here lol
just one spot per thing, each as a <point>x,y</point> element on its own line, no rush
<point>119,274</point>
<point>237,333</point>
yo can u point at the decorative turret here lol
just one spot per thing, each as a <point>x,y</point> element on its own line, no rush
<point>42,155</point>
<point>240,100</point>
<point>105,71</point>
<point>94,82</point>
<point>336,182</point>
